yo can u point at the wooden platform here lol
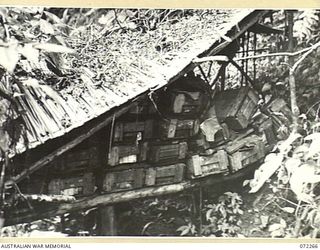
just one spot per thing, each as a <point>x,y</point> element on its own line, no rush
<point>29,215</point>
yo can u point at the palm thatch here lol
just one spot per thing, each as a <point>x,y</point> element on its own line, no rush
<point>115,62</point>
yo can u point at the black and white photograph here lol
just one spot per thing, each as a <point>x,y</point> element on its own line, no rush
<point>152,122</point>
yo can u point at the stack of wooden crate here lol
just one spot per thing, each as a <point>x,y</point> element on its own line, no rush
<point>228,135</point>
<point>183,134</point>
<point>75,185</point>
<point>78,167</point>
<point>128,154</point>
<point>168,154</point>
<point>154,146</point>
<point>158,146</point>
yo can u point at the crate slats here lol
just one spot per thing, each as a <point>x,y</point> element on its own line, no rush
<point>76,186</point>
<point>122,154</point>
<point>164,175</point>
<point>80,160</point>
<point>199,166</point>
<point>245,152</point>
<point>168,152</point>
<point>280,106</point>
<point>264,125</point>
<point>235,107</point>
<point>123,180</point>
<point>130,131</point>
<point>179,129</point>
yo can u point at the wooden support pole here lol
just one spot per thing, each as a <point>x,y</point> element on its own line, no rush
<point>243,55</point>
<point>200,209</point>
<point>107,221</point>
<point>247,53</point>
<point>209,70</point>
<point>223,75</point>
<point>219,74</point>
<point>203,74</point>
<point>254,60</point>
<point>62,223</point>
<point>113,198</point>
<point>245,75</point>
<point>233,34</point>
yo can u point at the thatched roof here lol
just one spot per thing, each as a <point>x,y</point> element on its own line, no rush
<point>114,66</point>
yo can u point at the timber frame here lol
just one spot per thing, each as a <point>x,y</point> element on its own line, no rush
<point>215,52</point>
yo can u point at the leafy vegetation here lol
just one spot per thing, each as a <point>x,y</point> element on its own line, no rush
<point>222,218</point>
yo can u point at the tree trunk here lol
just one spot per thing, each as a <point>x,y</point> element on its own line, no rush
<point>292,82</point>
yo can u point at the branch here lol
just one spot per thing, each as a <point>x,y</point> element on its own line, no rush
<point>49,198</point>
<point>210,58</point>
<point>243,72</point>
<point>310,50</point>
<point>278,54</point>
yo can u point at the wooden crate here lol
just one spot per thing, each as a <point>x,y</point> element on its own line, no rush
<point>245,151</point>
<point>80,160</point>
<point>132,131</point>
<point>122,154</point>
<point>178,129</point>
<point>280,106</point>
<point>79,185</point>
<point>235,107</point>
<point>167,152</point>
<point>264,126</point>
<point>187,102</point>
<point>127,179</point>
<point>199,166</point>
<point>164,175</point>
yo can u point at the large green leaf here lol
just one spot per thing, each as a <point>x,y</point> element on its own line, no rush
<point>291,164</point>
<point>303,175</point>
<point>50,47</point>
<point>46,27</point>
<point>29,52</point>
<point>266,170</point>
<point>286,145</point>
<point>314,146</point>
<point>9,57</point>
